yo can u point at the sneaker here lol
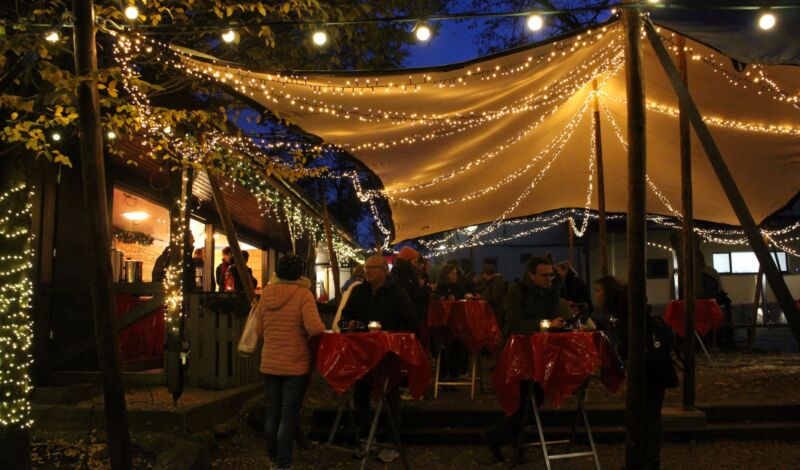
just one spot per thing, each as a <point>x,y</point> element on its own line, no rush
<point>388,455</point>
<point>494,446</point>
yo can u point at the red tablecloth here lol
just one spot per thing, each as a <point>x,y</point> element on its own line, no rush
<point>343,358</point>
<point>471,321</point>
<point>707,314</point>
<point>559,362</point>
<point>145,338</point>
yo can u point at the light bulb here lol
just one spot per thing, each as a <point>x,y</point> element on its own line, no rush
<point>52,36</point>
<point>131,12</point>
<point>535,22</point>
<point>111,135</point>
<point>168,130</point>
<point>228,36</point>
<point>767,21</point>
<point>320,38</point>
<point>423,32</point>
<point>56,136</point>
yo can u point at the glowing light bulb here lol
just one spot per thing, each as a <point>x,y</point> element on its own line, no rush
<point>320,38</point>
<point>131,12</point>
<point>535,22</point>
<point>228,36</point>
<point>111,135</point>
<point>423,32</point>
<point>767,21</point>
<point>56,136</point>
<point>52,36</point>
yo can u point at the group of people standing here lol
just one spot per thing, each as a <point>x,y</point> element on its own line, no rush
<point>287,317</point>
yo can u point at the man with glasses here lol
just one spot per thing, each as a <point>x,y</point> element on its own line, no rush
<point>528,302</point>
<point>379,298</point>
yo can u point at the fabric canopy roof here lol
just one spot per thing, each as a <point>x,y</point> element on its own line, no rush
<point>511,135</point>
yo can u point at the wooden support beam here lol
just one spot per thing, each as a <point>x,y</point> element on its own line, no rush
<point>209,283</point>
<point>332,259</point>
<point>570,244</point>
<point>635,429</point>
<point>757,243</point>
<point>688,261</point>
<point>601,182</point>
<point>230,233</point>
<point>94,196</point>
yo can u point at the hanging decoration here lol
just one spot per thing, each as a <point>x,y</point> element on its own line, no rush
<point>129,236</point>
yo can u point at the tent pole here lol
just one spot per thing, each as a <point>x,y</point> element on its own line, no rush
<point>230,234</point>
<point>635,449</point>
<point>688,240</point>
<point>570,243</point>
<point>96,207</point>
<point>601,183</point>
<point>332,259</point>
<point>757,243</point>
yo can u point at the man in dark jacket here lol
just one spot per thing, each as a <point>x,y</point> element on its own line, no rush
<point>492,288</point>
<point>379,299</point>
<point>528,302</point>
<point>222,269</point>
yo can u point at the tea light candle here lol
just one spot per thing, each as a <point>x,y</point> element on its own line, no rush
<point>544,325</point>
<point>374,326</point>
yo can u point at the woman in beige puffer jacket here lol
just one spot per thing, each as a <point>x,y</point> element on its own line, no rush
<point>287,318</point>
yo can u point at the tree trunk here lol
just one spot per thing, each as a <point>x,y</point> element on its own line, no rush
<point>94,194</point>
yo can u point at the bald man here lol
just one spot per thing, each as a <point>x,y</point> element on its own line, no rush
<point>380,298</point>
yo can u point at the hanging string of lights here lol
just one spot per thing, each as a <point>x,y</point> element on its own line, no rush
<point>579,232</point>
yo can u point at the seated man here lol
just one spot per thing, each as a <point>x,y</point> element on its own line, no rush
<point>379,298</point>
<point>528,302</point>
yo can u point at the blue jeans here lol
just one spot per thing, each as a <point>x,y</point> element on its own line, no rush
<point>284,399</point>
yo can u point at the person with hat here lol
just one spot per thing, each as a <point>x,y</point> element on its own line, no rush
<point>286,318</point>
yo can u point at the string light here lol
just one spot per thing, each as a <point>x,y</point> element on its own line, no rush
<point>422,32</point>
<point>131,12</point>
<point>16,294</point>
<point>319,38</point>
<point>534,22</point>
<point>766,21</point>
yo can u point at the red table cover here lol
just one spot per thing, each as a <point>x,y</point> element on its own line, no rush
<point>708,316</point>
<point>471,321</point>
<point>145,338</point>
<point>344,358</point>
<point>558,362</point>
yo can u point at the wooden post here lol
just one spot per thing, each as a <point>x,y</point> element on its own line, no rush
<point>94,196</point>
<point>332,259</point>
<point>230,233</point>
<point>688,241</point>
<point>757,243</point>
<point>635,449</point>
<point>209,283</point>
<point>601,183</point>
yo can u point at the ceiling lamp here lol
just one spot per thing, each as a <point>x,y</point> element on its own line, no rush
<point>131,12</point>
<point>422,32</point>
<point>136,216</point>
<point>229,36</point>
<point>767,21</point>
<point>52,36</point>
<point>319,38</point>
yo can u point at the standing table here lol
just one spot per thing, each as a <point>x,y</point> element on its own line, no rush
<point>708,317</point>
<point>470,321</point>
<point>344,358</point>
<point>561,364</point>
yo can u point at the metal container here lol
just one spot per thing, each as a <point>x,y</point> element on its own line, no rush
<point>117,259</point>
<point>133,271</point>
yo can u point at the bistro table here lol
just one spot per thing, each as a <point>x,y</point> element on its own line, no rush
<point>344,358</point>
<point>707,317</point>
<point>561,364</point>
<point>470,321</point>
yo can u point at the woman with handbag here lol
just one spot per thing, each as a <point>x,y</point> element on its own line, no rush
<point>286,317</point>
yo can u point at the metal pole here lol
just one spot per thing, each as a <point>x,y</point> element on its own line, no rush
<point>757,243</point>
<point>688,241</point>
<point>635,450</point>
<point>601,183</point>
<point>95,205</point>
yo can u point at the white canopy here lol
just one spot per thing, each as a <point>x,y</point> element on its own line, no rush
<point>511,135</point>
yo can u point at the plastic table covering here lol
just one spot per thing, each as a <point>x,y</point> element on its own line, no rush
<point>470,321</point>
<point>344,358</point>
<point>558,362</point>
<point>708,316</point>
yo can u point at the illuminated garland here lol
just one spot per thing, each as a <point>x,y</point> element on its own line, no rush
<point>16,293</point>
<point>129,236</point>
<point>173,278</point>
